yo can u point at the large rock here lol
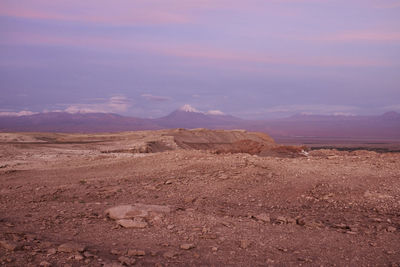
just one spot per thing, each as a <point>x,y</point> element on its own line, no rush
<point>128,223</point>
<point>135,252</point>
<point>187,246</point>
<point>136,211</point>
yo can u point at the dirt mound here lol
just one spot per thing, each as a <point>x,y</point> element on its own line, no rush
<point>217,141</point>
<point>148,147</point>
<point>286,151</point>
<point>234,141</point>
<point>223,141</point>
<point>217,136</point>
<point>243,146</point>
<point>18,138</point>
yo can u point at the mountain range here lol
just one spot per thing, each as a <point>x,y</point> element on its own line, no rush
<point>385,126</point>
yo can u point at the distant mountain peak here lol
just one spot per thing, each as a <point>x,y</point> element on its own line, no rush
<point>189,108</point>
<point>391,113</point>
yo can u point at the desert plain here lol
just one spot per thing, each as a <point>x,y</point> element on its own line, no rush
<point>194,198</point>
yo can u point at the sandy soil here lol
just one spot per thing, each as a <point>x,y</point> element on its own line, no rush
<point>327,208</point>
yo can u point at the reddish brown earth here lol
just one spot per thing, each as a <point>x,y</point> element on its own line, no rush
<point>213,207</point>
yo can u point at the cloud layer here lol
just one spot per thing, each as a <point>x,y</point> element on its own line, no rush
<point>157,98</point>
<point>116,104</point>
<point>16,113</point>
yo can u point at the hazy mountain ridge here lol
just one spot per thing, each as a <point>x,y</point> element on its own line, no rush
<point>75,122</point>
<point>189,119</point>
<point>385,126</point>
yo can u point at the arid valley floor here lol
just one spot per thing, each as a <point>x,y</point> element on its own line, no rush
<point>191,198</point>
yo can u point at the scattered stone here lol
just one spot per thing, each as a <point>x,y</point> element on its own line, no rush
<point>245,243</point>
<point>87,254</point>
<point>126,261</point>
<point>153,253</point>
<point>168,182</point>
<point>226,224</point>
<point>9,260</point>
<point>45,264</point>
<point>281,220</point>
<point>341,226</point>
<point>214,249</point>
<point>351,232</point>
<point>46,244</point>
<point>51,251</point>
<point>209,236</point>
<point>263,217</point>
<point>354,229</point>
<point>328,196</point>
<point>30,238</point>
<point>169,254</point>
<point>71,247</point>
<point>187,246</point>
<point>134,252</point>
<point>189,200</point>
<point>116,252</point>
<point>391,229</point>
<point>112,264</point>
<point>9,245</point>
<point>136,223</point>
<point>282,249</point>
<point>304,259</point>
<point>157,219</point>
<point>78,257</point>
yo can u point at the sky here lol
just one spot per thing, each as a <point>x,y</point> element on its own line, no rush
<point>252,59</point>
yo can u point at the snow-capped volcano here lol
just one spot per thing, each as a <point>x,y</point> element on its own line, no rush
<point>189,108</point>
<point>189,117</point>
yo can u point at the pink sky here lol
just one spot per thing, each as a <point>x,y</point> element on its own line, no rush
<point>236,56</point>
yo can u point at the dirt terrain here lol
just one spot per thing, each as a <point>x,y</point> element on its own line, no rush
<point>194,198</point>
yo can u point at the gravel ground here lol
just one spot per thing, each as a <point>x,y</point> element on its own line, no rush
<point>185,207</point>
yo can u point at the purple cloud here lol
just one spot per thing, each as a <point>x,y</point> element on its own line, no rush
<point>115,104</point>
<point>156,98</point>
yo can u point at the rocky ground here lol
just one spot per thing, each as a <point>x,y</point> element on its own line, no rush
<point>105,200</point>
